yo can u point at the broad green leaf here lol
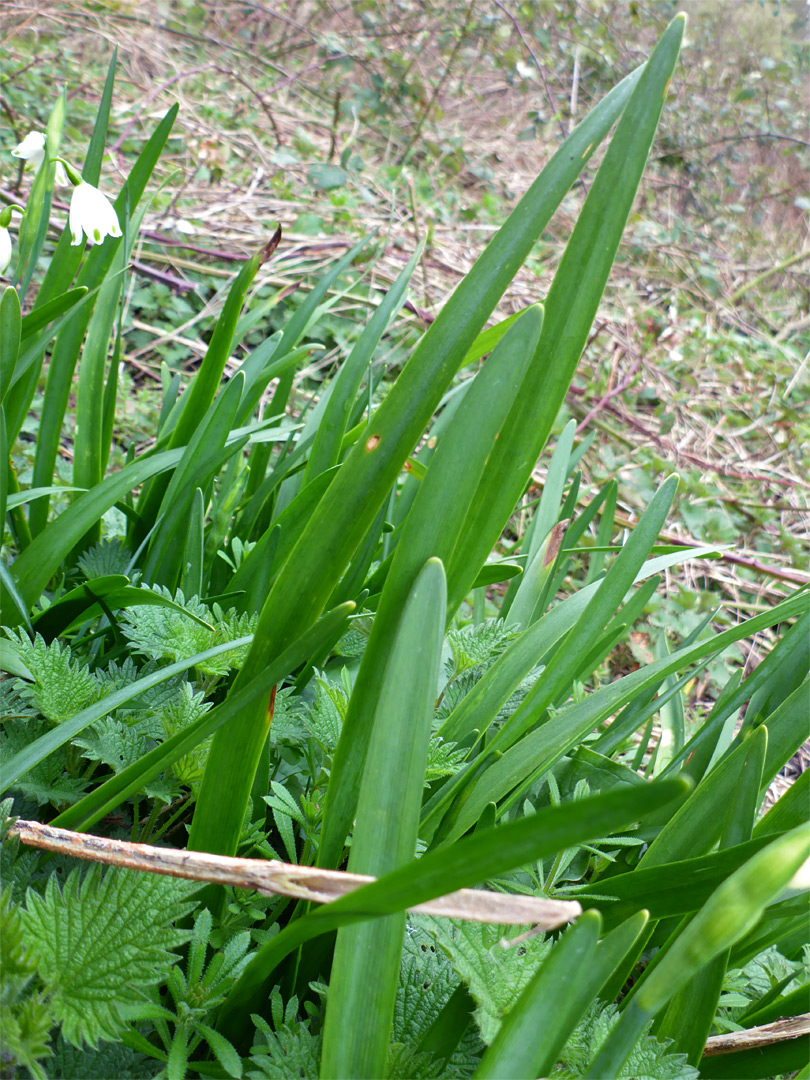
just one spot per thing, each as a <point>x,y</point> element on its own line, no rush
<point>690,1014</point>
<point>790,810</point>
<point>194,406</point>
<point>572,303</point>
<point>546,516</point>
<point>326,447</point>
<point>201,460</point>
<point>42,315</point>
<point>11,661</point>
<point>43,557</point>
<point>66,350</point>
<point>34,226</point>
<point>191,574</point>
<point>432,528</point>
<point>293,331</point>
<point>541,749</point>
<point>761,1062</point>
<point>697,825</point>
<point>81,604</point>
<point>10,328</point>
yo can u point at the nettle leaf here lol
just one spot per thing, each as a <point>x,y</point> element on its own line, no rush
<point>478,646</point>
<point>163,633</point>
<point>48,781</point>
<point>70,1063</point>
<point>62,686</point>
<point>405,1063</point>
<point>140,712</point>
<point>105,558</point>
<point>442,759</point>
<point>325,717</point>
<point>427,979</point>
<point>649,1059</point>
<point>186,707</point>
<point>100,941</point>
<point>112,742</point>
<point>288,1053</point>
<point>288,725</point>
<point>744,986</point>
<point>494,975</point>
<point>352,645</point>
<point>15,700</point>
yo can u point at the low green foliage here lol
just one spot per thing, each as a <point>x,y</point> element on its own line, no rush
<point>281,649</point>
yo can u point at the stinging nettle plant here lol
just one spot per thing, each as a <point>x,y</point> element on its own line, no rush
<point>282,654</point>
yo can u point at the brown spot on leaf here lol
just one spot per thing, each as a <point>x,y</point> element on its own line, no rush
<point>555,539</point>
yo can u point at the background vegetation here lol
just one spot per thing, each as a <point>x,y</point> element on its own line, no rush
<point>426,123</point>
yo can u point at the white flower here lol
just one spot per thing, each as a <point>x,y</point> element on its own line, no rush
<point>91,213</point>
<point>5,250</point>
<point>32,149</point>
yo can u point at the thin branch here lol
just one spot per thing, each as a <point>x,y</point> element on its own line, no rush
<point>537,64</point>
<point>274,878</point>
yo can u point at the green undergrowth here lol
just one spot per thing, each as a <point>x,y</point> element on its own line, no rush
<point>350,636</point>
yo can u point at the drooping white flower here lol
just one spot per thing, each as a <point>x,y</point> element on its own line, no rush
<point>91,213</point>
<point>5,235</point>
<point>5,250</point>
<point>32,149</point>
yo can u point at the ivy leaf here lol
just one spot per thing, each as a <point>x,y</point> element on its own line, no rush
<point>100,941</point>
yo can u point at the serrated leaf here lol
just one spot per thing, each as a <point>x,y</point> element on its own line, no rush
<point>494,975</point>
<point>101,940</point>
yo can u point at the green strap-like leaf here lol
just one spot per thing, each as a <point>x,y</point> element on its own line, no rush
<point>345,514</point>
<point>732,910</point>
<point>357,1027</point>
<point>66,350</point>
<point>10,330</point>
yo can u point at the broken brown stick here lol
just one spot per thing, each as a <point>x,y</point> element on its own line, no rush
<point>274,878</point>
<point>794,1027</point>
